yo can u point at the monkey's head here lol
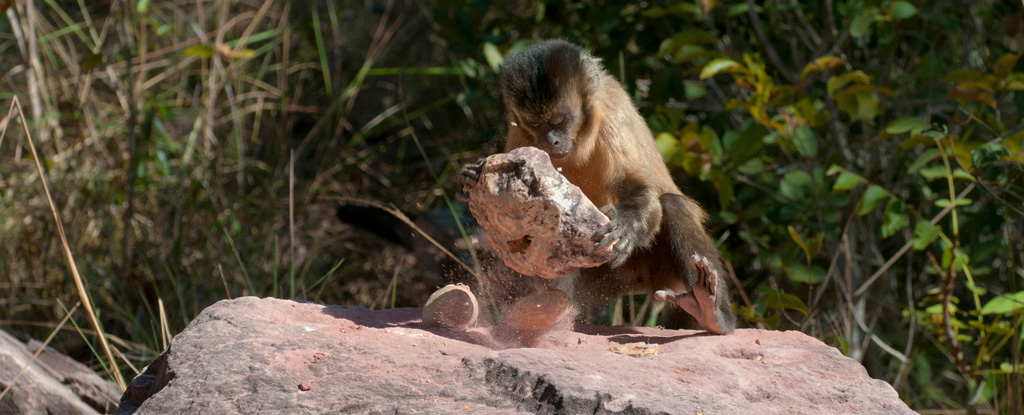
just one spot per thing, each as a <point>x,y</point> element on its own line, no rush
<point>548,89</point>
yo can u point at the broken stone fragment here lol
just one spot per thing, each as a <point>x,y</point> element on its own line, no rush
<point>452,307</point>
<point>538,222</point>
<point>539,311</point>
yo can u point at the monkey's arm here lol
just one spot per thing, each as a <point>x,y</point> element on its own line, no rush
<point>635,218</point>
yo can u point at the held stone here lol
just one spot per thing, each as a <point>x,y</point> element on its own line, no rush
<point>538,222</point>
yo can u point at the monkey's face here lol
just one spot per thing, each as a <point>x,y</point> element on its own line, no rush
<point>553,131</point>
<point>545,88</point>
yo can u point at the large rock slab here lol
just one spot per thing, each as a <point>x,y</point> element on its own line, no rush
<point>53,383</point>
<point>274,356</point>
<point>537,222</point>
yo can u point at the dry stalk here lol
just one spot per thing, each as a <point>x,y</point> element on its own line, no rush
<point>79,281</point>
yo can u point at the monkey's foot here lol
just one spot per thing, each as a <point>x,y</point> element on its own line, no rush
<point>700,301</point>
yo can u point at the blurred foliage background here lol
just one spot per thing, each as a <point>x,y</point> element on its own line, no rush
<point>862,161</point>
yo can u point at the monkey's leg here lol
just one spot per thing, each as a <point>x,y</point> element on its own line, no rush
<point>701,301</point>
<point>708,300</point>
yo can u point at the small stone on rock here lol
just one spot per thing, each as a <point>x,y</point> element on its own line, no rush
<point>452,307</point>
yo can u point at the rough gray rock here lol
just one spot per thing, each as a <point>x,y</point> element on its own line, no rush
<point>54,383</point>
<point>538,222</point>
<point>272,356</point>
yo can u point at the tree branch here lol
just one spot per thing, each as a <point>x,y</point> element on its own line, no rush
<point>773,57</point>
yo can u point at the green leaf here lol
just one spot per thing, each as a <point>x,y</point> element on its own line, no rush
<point>963,174</point>
<point>693,90</point>
<point>820,64</point>
<point>805,274</point>
<point>142,7</point>
<point>723,184</point>
<point>786,302</point>
<point>873,196</point>
<point>710,141</point>
<point>924,234</point>
<point>895,217</point>
<point>796,184</point>
<point>925,157</point>
<point>667,144</point>
<point>904,125</point>
<point>902,10</point>
<point>805,142</point>
<point>861,25</point>
<point>962,259</point>
<point>838,82</point>
<point>963,201</point>
<point>976,289</point>
<point>1005,304</point>
<point>721,65</point>
<point>202,51</point>
<point>1004,65</point>
<point>846,181</point>
<point>687,37</point>
<point>859,105</point>
<point>692,163</point>
<point>493,56</point>
<point>748,143</point>
<point>810,248</point>
<point>933,172</point>
<point>867,107</point>
<point>751,167</point>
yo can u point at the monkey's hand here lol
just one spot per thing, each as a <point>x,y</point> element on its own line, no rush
<point>700,301</point>
<point>617,237</point>
<point>466,178</point>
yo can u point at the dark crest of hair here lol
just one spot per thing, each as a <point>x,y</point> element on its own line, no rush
<point>533,77</point>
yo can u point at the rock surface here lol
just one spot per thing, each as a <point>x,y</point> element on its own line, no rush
<point>274,356</point>
<point>54,383</point>
<point>538,222</point>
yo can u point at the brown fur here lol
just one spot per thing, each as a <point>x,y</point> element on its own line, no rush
<point>561,100</point>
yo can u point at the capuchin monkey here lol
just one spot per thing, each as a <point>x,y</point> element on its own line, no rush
<point>560,99</point>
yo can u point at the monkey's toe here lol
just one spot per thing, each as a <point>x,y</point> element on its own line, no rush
<point>706,281</point>
<point>685,300</point>
<point>668,296</point>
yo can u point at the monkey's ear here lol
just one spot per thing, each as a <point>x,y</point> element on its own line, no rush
<point>593,67</point>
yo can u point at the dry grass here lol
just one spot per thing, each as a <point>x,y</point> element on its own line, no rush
<point>196,151</point>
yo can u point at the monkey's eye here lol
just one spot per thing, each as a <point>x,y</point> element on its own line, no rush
<point>556,120</point>
<point>534,124</point>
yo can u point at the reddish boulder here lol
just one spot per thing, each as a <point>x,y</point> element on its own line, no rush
<point>254,355</point>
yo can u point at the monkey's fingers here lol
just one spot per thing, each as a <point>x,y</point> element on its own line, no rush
<point>610,211</point>
<point>613,257</point>
<point>469,174</point>
<point>616,259</point>
<point>624,247</point>
<point>467,177</point>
